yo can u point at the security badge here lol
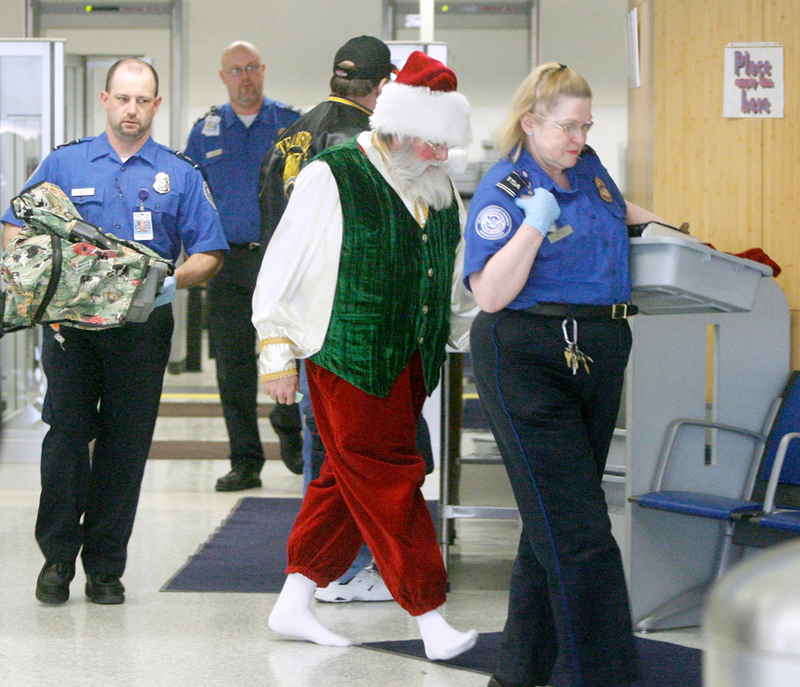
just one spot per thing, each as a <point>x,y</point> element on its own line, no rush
<point>605,194</point>
<point>161,184</point>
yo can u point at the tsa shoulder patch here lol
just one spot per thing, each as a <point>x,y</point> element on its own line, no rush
<point>493,223</point>
<point>207,194</point>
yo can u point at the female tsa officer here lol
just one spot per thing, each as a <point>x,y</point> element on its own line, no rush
<point>547,260</point>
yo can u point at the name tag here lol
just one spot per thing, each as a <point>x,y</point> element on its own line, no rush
<point>214,153</point>
<point>560,233</point>
<point>82,192</point>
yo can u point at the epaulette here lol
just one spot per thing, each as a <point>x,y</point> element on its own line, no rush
<point>70,143</point>
<point>185,158</point>
<point>283,106</point>
<point>212,111</point>
<point>512,184</point>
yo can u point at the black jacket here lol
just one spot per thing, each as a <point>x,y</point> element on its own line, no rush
<point>335,120</point>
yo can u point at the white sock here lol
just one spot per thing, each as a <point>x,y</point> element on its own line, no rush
<point>442,641</point>
<point>292,614</point>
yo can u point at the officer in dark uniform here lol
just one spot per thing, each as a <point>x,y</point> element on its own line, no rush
<point>547,260</point>
<point>105,385</point>
<point>229,144</point>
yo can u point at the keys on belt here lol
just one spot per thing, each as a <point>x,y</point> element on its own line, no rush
<point>574,355</point>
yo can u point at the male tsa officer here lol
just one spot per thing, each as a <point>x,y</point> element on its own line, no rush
<point>104,385</point>
<point>229,144</point>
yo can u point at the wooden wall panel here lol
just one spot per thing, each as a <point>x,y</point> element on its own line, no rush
<point>705,165</point>
<point>734,180</point>
<point>780,189</point>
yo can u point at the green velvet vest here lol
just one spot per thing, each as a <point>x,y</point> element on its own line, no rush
<point>393,290</point>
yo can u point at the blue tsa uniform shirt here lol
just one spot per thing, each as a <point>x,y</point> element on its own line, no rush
<point>585,261</point>
<point>156,197</point>
<point>230,155</point>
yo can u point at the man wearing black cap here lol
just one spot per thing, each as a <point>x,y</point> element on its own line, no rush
<point>361,68</point>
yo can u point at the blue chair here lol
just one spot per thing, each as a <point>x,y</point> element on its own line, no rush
<point>781,501</point>
<point>771,465</point>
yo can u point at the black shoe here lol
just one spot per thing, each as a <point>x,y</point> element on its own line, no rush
<point>292,452</point>
<point>104,588</point>
<point>238,480</point>
<point>52,585</point>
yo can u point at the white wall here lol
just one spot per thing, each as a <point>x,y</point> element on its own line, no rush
<point>589,36</point>
<point>151,43</point>
<point>12,19</point>
<point>299,38</point>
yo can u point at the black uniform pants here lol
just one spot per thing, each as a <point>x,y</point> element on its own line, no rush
<point>102,386</point>
<point>230,312</point>
<point>569,621</point>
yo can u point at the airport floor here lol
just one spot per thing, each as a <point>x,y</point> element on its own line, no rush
<point>159,639</point>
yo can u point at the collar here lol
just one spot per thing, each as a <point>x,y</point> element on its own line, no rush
<point>100,147</point>
<point>345,101</point>
<point>229,117</point>
<point>539,178</point>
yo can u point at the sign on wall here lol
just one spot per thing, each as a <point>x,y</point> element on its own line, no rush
<point>753,80</point>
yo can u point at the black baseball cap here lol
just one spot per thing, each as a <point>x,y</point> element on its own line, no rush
<point>370,56</point>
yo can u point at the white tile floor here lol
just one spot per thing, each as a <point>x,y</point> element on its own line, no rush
<point>163,639</point>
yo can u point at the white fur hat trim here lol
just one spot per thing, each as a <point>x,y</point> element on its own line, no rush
<point>418,112</point>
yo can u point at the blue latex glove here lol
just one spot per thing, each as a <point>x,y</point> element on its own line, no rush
<point>541,210</point>
<point>167,291</point>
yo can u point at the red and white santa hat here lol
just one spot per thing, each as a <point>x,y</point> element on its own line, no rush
<point>423,103</point>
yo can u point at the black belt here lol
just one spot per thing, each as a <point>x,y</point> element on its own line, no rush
<point>617,311</point>
<point>253,245</point>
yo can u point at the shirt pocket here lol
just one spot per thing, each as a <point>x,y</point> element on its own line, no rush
<point>224,177</point>
<point>90,205</point>
<point>163,205</point>
<point>574,256</point>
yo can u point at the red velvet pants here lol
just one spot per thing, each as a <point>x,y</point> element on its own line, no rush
<point>369,490</point>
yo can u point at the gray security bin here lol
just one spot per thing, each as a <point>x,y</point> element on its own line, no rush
<point>752,623</point>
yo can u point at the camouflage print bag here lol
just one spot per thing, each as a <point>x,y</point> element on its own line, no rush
<point>60,269</point>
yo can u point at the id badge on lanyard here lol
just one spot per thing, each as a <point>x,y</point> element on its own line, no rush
<point>142,220</point>
<point>142,226</point>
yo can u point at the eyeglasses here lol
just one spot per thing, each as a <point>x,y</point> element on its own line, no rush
<point>438,147</point>
<point>238,71</point>
<point>569,129</point>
